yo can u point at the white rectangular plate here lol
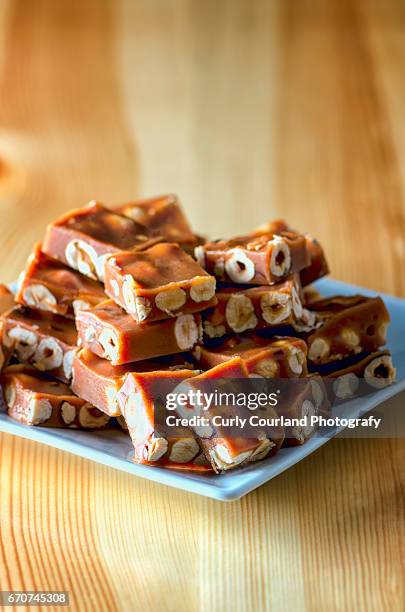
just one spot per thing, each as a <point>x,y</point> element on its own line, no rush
<point>112,447</point>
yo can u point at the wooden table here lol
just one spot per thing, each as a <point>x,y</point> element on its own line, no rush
<point>248,110</point>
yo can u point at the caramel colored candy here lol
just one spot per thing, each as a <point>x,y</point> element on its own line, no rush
<point>350,325</point>
<point>158,283</point>
<point>49,285</point>
<point>226,451</point>
<point>84,237</point>
<point>161,216</point>
<point>255,308</point>
<point>111,333</point>
<point>302,400</point>
<point>360,374</point>
<point>139,398</point>
<point>318,266</point>
<point>42,339</point>
<point>35,399</point>
<point>255,260</point>
<point>98,381</point>
<point>270,358</point>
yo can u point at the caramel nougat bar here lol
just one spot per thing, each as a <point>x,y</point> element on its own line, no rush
<point>6,302</point>
<point>47,284</point>
<point>317,267</point>
<point>158,283</point>
<point>140,398</point>
<point>254,308</point>
<point>161,216</point>
<point>111,333</point>
<point>98,381</point>
<point>34,398</point>
<point>255,259</point>
<point>299,399</point>
<point>227,449</point>
<point>271,358</point>
<point>350,325</point>
<point>375,369</point>
<point>84,237</point>
<point>41,339</point>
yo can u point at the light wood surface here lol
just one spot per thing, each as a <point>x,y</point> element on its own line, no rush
<point>248,110</point>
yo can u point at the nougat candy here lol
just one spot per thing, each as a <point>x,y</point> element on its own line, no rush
<point>277,357</point>
<point>49,285</point>
<point>350,325</point>
<point>158,283</point>
<point>302,399</point>
<point>255,260</point>
<point>142,402</point>
<point>255,308</point>
<point>98,381</point>
<point>359,374</point>
<point>317,267</point>
<point>33,398</point>
<point>84,237</point>
<point>41,339</point>
<point>161,216</point>
<point>111,333</point>
<point>227,448</point>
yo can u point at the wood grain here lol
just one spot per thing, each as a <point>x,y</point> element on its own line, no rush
<point>248,110</point>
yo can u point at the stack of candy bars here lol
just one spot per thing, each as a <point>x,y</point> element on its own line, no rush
<point>116,304</point>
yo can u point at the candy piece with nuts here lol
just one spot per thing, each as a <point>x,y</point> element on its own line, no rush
<point>98,381</point>
<point>111,333</point>
<point>301,400</point>
<point>6,302</point>
<point>142,400</point>
<point>317,267</point>
<point>33,398</point>
<point>270,358</point>
<point>359,375</point>
<point>84,237</point>
<point>47,284</point>
<point>161,216</point>
<point>158,283</point>
<point>255,260</point>
<point>225,443</point>
<point>350,325</point>
<point>250,308</point>
<point>42,339</point>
